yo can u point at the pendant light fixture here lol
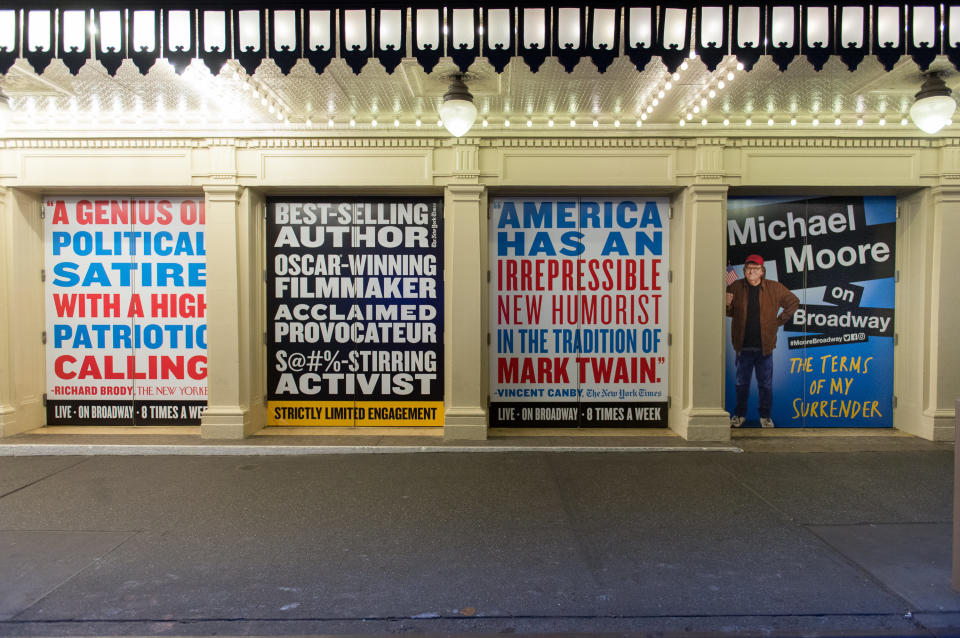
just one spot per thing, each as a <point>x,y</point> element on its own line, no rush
<point>457,110</point>
<point>933,107</point>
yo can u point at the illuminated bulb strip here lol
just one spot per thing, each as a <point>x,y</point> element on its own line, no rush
<point>655,95</point>
<point>702,100</point>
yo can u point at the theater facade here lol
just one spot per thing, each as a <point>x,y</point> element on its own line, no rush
<point>244,216</point>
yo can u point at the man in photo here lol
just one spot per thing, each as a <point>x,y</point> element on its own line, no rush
<point>758,307</point>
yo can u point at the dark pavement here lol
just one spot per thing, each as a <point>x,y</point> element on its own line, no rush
<point>788,538</point>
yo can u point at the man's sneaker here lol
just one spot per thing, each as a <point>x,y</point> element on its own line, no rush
<point>736,421</point>
<point>766,422</point>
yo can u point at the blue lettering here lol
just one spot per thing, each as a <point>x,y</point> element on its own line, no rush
<point>533,218</point>
<point>622,209</point>
<point>505,243</point>
<point>590,215</point>
<point>59,240</point>
<point>651,216</point>
<point>566,215</point>
<point>508,216</point>
<point>66,270</point>
<point>614,245</point>
<point>654,244</point>
<point>573,244</point>
<point>542,244</point>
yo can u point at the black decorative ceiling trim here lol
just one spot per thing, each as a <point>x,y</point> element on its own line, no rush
<point>144,57</point>
<point>925,51</point>
<point>711,51</point>
<point>535,54</point>
<point>319,54</point>
<point>673,53</point>
<point>354,55</point>
<point>888,51</point>
<point>602,55</point>
<point>390,54</point>
<point>214,54</point>
<point>640,50</point>
<point>9,56</point>
<point>111,57</point>
<point>499,53</point>
<point>284,55</point>
<point>38,57</point>
<point>852,53</point>
<point>73,57</point>
<point>248,54</point>
<point>463,53</point>
<point>180,56</point>
<point>748,52</point>
<point>951,41</point>
<point>428,55</point>
<point>569,53</point>
<point>664,21</point>
<point>783,51</point>
<point>818,51</point>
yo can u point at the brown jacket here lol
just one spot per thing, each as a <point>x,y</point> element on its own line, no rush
<point>773,297</point>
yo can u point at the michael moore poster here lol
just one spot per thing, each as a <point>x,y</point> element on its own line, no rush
<point>578,312</point>
<point>125,310</point>
<point>355,311</point>
<point>833,361</point>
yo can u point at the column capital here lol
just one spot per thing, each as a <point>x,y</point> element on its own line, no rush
<point>708,192</point>
<point>465,191</point>
<point>945,193</point>
<point>222,192</point>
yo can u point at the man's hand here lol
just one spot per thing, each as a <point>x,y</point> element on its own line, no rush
<point>729,299</point>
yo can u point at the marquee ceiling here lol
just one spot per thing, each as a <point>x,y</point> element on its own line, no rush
<point>262,97</point>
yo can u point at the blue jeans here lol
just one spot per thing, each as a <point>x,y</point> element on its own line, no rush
<point>749,361</point>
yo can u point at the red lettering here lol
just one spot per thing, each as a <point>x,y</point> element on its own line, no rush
<point>60,213</point>
<point>60,370</point>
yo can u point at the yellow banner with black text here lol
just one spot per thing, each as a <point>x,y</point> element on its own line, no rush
<point>359,414</point>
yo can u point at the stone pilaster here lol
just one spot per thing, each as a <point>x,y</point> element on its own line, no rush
<point>465,331</point>
<point>698,252</point>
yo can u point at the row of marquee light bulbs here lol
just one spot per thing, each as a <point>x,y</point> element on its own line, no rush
<point>460,119</point>
<point>932,111</point>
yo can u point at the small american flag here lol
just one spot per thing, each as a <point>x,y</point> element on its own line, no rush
<point>731,275</point>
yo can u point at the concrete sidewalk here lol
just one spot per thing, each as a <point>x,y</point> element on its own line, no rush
<point>794,536</point>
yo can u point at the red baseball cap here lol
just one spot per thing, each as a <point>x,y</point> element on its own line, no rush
<point>757,259</point>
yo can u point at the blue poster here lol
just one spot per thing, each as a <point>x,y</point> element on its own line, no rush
<point>831,363</point>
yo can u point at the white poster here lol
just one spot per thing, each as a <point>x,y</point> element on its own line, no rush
<point>578,312</point>
<point>125,310</point>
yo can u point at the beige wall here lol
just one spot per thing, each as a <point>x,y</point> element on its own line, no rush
<point>235,174</point>
<point>22,355</point>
